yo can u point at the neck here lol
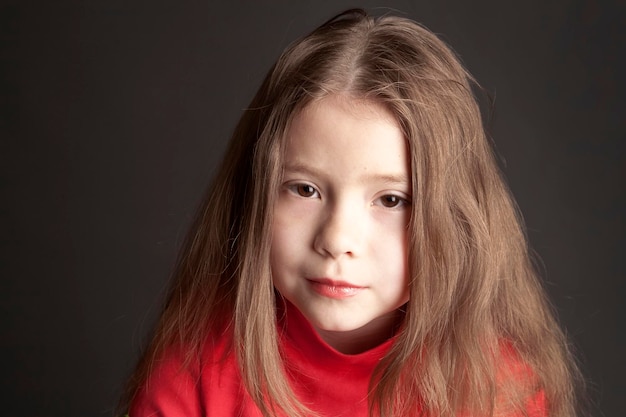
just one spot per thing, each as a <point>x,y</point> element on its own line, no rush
<point>359,340</point>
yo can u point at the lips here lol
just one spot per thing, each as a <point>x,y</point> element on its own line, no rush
<point>334,289</point>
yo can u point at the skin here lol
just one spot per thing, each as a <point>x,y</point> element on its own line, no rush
<point>339,244</point>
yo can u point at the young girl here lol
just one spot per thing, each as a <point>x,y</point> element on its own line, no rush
<point>358,253</point>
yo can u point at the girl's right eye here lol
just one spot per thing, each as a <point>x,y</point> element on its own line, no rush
<point>304,190</point>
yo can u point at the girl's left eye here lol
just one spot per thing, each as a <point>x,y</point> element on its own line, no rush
<point>392,201</point>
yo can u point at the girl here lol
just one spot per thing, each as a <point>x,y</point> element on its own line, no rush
<point>358,253</point>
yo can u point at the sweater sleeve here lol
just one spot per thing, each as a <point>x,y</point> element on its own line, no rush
<point>171,390</point>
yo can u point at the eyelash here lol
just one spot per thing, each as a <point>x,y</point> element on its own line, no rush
<point>308,191</point>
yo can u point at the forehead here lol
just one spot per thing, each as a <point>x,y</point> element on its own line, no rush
<point>347,137</point>
<point>336,104</point>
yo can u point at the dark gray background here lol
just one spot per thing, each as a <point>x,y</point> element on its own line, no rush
<point>114,113</point>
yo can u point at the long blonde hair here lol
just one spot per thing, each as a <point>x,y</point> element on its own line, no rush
<point>475,300</point>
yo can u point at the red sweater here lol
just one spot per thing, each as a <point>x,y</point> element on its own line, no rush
<point>331,383</point>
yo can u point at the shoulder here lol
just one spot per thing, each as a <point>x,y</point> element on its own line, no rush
<point>520,392</point>
<point>170,388</point>
<point>180,384</point>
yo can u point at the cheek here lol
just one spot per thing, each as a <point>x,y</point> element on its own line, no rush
<point>284,262</point>
<point>280,227</point>
<point>276,266</point>
<point>276,248</point>
<point>390,236</point>
<point>393,260</point>
<point>282,235</point>
<point>285,247</point>
<point>292,227</point>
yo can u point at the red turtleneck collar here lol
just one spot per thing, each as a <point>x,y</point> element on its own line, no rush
<point>330,382</point>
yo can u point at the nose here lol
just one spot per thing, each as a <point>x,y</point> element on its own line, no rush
<point>340,232</point>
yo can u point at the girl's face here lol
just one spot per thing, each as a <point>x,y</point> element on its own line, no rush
<point>339,245</point>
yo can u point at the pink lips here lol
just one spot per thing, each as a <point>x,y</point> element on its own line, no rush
<point>334,289</point>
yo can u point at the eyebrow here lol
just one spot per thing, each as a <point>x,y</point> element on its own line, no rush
<point>391,179</point>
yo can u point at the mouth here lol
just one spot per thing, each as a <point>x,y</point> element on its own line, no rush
<point>334,289</point>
